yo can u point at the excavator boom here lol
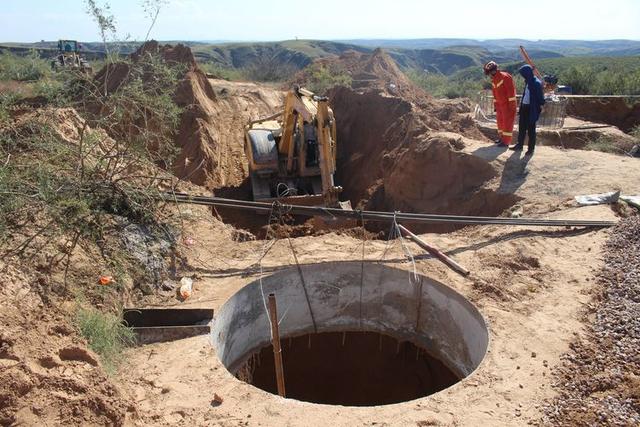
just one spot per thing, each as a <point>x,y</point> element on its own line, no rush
<point>529,61</point>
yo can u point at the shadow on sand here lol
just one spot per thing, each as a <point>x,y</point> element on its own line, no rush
<point>515,172</point>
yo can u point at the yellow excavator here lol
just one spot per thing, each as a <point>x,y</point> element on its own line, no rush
<point>69,58</point>
<point>292,154</point>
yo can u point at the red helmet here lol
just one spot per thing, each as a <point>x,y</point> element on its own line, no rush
<point>489,67</point>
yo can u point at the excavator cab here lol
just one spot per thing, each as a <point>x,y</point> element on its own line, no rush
<point>292,154</point>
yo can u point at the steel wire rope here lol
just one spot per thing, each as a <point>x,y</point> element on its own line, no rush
<point>406,250</point>
<point>388,216</point>
<point>304,284</point>
<point>364,237</point>
<point>266,248</point>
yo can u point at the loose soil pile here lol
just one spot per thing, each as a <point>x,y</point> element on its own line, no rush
<point>46,371</point>
<point>398,149</point>
<point>619,112</point>
<point>210,135</point>
<point>405,152</point>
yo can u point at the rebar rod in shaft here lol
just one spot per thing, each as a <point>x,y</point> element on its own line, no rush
<point>275,340</point>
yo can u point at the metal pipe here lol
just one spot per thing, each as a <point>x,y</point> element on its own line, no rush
<point>380,216</point>
<point>435,252</point>
<point>385,216</point>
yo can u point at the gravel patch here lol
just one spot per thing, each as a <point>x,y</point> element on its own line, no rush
<point>599,379</point>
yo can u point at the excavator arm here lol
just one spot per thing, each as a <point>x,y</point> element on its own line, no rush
<point>326,145</point>
<point>293,107</point>
<point>296,152</point>
<point>548,84</point>
<point>529,61</point>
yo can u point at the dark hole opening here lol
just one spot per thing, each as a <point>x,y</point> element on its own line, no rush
<point>349,368</point>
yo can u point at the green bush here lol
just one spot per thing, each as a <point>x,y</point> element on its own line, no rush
<point>7,99</point>
<point>269,69</point>
<point>106,335</point>
<point>441,86</point>
<point>72,187</point>
<point>219,72</point>
<point>585,75</point>
<point>23,68</point>
<point>52,89</point>
<point>580,78</point>
<point>321,78</point>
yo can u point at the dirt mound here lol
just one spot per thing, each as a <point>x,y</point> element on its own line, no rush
<point>65,123</point>
<point>47,376</point>
<point>395,155</point>
<point>178,54</point>
<point>429,175</point>
<point>614,111</point>
<point>112,75</point>
<point>375,71</point>
<point>210,135</point>
<point>380,71</point>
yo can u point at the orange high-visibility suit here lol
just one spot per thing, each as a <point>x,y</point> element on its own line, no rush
<point>504,98</point>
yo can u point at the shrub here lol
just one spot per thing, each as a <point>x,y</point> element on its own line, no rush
<point>60,188</point>
<point>52,89</point>
<point>23,68</point>
<point>106,335</point>
<point>220,72</point>
<point>267,68</point>
<point>609,144</point>
<point>441,86</point>
<point>321,78</point>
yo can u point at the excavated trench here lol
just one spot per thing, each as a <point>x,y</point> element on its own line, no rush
<point>352,336</point>
<point>390,159</point>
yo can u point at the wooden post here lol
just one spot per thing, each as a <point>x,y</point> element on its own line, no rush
<point>275,340</point>
<point>435,252</point>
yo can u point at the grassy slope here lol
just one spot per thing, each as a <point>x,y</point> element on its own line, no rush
<point>296,52</point>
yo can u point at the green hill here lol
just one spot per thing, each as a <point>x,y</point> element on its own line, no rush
<point>298,53</point>
<point>499,46</point>
<point>597,75</point>
<point>461,59</point>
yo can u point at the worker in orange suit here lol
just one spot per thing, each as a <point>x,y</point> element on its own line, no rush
<point>504,98</point>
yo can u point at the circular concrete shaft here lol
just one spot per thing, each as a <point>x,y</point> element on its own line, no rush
<point>420,319</point>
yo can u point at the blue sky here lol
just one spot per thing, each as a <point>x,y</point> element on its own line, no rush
<point>33,20</point>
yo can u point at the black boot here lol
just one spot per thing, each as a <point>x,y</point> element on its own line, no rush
<point>517,147</point>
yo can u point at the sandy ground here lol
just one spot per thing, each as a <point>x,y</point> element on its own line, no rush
<point>530,284</point>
